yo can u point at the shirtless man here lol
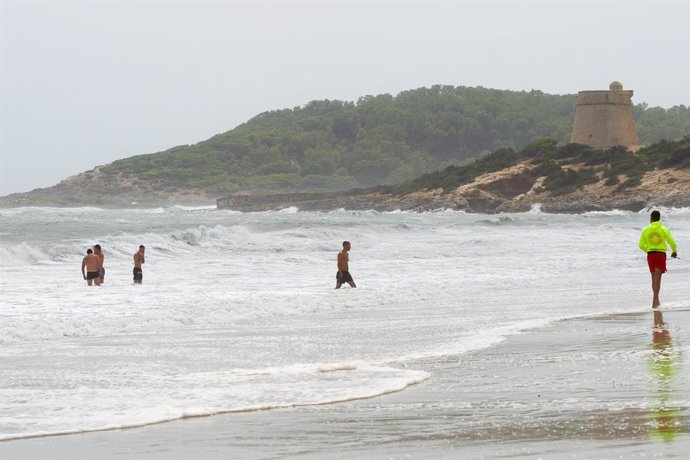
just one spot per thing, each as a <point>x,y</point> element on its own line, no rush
<point>101,270</point>
<point>138,260</point>
<point>343,275</point>
<point>91,263</point>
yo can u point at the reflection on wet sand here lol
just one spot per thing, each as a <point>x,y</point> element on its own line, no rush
<point>667,419</point>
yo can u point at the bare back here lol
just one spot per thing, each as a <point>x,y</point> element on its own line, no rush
<point>92,263</point>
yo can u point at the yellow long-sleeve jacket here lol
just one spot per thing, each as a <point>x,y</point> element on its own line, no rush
<point>654,238</point>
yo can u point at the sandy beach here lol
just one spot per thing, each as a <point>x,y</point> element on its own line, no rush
<point>615,386</point>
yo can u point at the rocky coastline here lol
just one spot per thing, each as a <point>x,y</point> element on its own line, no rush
<point>485,203</point>
<point>512,189</point>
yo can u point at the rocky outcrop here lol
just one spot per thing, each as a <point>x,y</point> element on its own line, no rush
<point>96,188</point>
<point>518,189</point>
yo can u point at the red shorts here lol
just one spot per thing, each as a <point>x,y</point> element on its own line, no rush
<point>656,260</point>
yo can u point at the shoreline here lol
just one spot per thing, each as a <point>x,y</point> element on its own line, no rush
<point>383,207</point>
<point>587,385</point>
<point>29,437</point>
<point>423,201</point>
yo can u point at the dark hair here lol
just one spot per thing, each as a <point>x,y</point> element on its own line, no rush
<point>141,246</point>
<point>345,243</point>
<point>89,251</point>
<point>97,246</point>
<point>656,216</point>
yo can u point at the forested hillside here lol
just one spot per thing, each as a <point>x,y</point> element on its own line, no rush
<point>334,145</point>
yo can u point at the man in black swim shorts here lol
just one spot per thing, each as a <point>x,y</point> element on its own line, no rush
<point>91,263</point>
<point>137,274</point>
<point>343,275</point>
<point>101,269</point>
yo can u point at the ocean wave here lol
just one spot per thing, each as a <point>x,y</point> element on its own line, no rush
<point>680,212</point>
<point>21,254</point>
<point>120,245</point>
<point>198,236</point>
<point>535,209</point>
<point>474,340</point>
<point>248,236</point>
<point>178,207</point>
<point>149,210</point>
<point>48,210</point>
<point>498,220</point>
<point>611,213</point>
<point>665,211</point>
<point>447,211</point>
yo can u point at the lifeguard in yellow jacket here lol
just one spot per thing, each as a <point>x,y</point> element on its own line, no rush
<point>654,240</point>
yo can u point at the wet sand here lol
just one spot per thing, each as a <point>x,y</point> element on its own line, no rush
<point>598,387</point>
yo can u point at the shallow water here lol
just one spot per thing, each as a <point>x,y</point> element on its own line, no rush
<point>237,310</point>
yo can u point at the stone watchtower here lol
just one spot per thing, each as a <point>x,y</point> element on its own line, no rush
<point>605,118</point>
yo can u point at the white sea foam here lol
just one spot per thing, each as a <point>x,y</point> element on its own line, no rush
<point>194,208</point>
<point>612,213</point>
<point>535,208</point>
<point>684,212</point>
<point>120,401</point>
<point>49,210</point>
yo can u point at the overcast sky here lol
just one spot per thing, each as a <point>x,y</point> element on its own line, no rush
<point>83,83</point>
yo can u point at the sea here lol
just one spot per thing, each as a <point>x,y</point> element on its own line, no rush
<point>237,311</point>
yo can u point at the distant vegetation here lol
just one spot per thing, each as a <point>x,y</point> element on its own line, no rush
<point>333,145</point>
<point>566,168</point>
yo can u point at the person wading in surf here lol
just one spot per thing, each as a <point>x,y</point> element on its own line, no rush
<point>343,275</point>
<point>138,260</point>
<point>91,263</point>
<point>653,241</point>
<point>101,269</point>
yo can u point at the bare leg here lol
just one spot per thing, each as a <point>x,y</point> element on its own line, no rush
<point>352,283</point>
<point>89,282</point>
<point>338,284</point>
<point>656,287</point>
